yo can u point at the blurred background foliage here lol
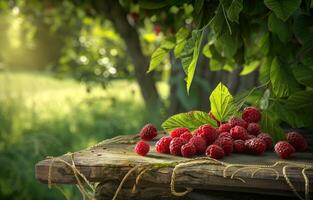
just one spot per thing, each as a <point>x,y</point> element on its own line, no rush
<point>73,71</point>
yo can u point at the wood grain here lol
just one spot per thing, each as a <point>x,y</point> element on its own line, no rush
<point>111,160</point>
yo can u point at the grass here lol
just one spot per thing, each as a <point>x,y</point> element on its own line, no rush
<point>41,116</point>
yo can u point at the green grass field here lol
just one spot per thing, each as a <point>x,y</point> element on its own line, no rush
<point>41,116</point>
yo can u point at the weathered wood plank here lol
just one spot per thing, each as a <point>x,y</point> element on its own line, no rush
<point>111,161</point>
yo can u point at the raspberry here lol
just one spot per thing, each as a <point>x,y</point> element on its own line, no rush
<point>148,132</point>
<point>178,131</point>
<point>188,150</point>
<point>238,132</point>
<point>199,143</point>
<point>283,149</point>
<point>186,136</point>
<point>297,141</point>
<point>255,146</point>
<point>208,133</point>
<point>239,146</point>
<point>175,146</point>
<point>214,118</point>
<point>215,151</point>
<point>226,144</point>
<point>225,134</point>
<point>248,137</point>
<point>236,121</point>
<point>253,128</point>
<point>142,148</point>
<point>163,145</point>
<point>251,114</point>
<point>224,128</point>
<point>267,139</point>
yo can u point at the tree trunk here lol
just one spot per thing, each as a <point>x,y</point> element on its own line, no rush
<point>113,11</point>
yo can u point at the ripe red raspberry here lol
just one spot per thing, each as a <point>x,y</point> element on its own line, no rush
<point>224,128</point>
<point>214,118</point>
<point>208,133</point>
<point>226,144</point>
<point>251,114</point>
<point>238,132</point>
<point>163,145</point>
<point>267,139</point>
<point>255,146</point>
<point>248,137</point>
<point>175,146</point>
<point>236,121</point>
<point>215,151</point>
<point>253,128</point>
<point>297,141</point>
<point>142,148</point>
<point>178,131</point>
<point>283,149</point>
<point>188,150</point>
<point>186,136</point>
<point>225,134</point>
<point>148,132</point>
<point>199,143</point>
<point>239,146</point>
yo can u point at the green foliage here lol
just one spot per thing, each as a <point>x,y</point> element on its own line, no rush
<point>283,9</point>
<point>274,37</point>
<point>282,80</point>
<point>191,120</point>
<point>41,116</point>
<point>304,74</point>
<point>269,125</point>
<point>278,27</point>
<point>234,10</point>
<point>222,103</point>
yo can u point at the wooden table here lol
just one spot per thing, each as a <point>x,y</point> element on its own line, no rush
<point>109,161</point>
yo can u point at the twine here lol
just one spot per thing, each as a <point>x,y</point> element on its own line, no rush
<point>76,173</point>
<point>182,164</point>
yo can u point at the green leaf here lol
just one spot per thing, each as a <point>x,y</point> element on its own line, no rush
<point>265,99</point>
<point>303,27</point>
<point>189,56</point>
<point>157,57</point>
<point>247,69</point>
<point>221,102</point>
<point>191,120</point>
<point>270,125</point>
<point>234,10</point>
<point>167,44</point>
<point>193,64</point>
<point>227,44</point>
<point>179,48</point>
<point>206,51</point>
<point>301,101</point>
<point>306,52</point>
<point>282,8</point>
<point>265,70</point>
<point>289,116</point>
<point>279,27</point>
<point>218,22</point>
<point>181,37</point>
<point>181,34</point>
<point>304,74</point>
<point>283,82</point>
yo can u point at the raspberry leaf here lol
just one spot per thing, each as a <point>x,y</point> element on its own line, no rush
<point>191,120</point>
<point>282,79</point>
<point>282,8</point>
<point>222,103</point>
<point>269,124</point>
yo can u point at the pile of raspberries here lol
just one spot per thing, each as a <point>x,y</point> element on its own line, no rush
<point>238,135</point>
